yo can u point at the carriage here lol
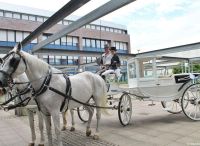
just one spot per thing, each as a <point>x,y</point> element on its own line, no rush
<point>149,80</point>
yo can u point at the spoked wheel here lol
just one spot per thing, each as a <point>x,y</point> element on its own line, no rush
<point>190,102</point>
<point>172,106</point>
<point>125,109</point>
<point>83,113</point>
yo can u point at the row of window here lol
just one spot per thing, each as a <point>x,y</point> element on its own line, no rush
<point>95,43</point>
<point>70,60</point>
<point>61,60</point>
<point>17,36</point>
<point>29,17</point>
<point>66,40</point>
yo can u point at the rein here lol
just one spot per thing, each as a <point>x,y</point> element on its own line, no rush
<point>19,94</point>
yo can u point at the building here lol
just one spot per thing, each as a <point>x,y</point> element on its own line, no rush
<point>79,47</point>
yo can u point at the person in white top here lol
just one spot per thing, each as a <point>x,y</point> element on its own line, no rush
<point>105,60</point>
<point>114,66</point>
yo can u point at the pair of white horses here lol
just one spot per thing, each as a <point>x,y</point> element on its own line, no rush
<point>84,86</point>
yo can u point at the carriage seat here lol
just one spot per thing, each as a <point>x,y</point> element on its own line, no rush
<point>182,78</point>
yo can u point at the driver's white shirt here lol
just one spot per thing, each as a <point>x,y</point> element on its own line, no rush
<point>107,58</point>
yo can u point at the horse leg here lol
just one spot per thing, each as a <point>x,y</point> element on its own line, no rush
<point>72,118</point>
<point>41,126</point>
<point>64,121</point>
<point>91,112</point>
<point>32,127</point>
<point>48,127</point>
<point>56,121</point>
<point>98,116</point>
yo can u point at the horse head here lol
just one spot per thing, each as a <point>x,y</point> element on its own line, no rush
<point>12,64</point>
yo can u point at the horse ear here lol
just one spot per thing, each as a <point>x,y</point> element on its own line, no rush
<point>1,60</point>
<point>19,47</point>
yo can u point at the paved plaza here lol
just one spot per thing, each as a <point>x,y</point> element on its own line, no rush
<point>150,126</point>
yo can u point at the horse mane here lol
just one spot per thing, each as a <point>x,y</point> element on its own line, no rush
<point>32,60</point>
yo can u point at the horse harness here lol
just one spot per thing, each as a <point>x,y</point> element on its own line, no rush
<point>45,85</point>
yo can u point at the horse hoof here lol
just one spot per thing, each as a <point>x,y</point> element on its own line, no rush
<point>88,132</point>
<point>40,144</point>
<point>72,129</point>
<point>63,128</point>
<point>96,137</point>
<point>31,144</point>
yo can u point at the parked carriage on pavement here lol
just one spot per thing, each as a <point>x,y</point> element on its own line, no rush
<point>149,80</point>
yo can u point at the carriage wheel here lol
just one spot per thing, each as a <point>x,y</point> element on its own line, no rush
<point>125,109</point>
<point>190,102</point>
<point>83,113</point>
<point>172,106</point>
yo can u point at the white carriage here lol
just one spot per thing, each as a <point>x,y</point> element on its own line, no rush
<point>150,80</point>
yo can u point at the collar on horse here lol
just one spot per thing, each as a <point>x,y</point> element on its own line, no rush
<point>44,85</point>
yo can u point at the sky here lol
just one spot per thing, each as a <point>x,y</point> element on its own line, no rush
<point>151,24</point>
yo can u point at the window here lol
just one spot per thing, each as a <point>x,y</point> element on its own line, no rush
<point>92,26</point>
<point>107,29</point>
<point>76,60</point>
<point>117,45</point>
<point>111,30</point>
<point>65,22</point>
<point>125,46</point>
<point>121,47</point>
<point>93,44</point>
<point>69,40</point>
<point>19,37</point>
<point>34,41</point>
<point>88,26</point>
<point>64,40</point>
<point>8,14</point>
<point>32,18</point>
<point>83,41</point>
<point>102,44</point>
<point>45,58</point>
<point>63,59</point>
<point>16,16</point>
<point>98,27</point>
<point>11,36</point>
<point>75,41</point>
<point>103,28</point>
<point>58,60</point>
<point>26,34</point>
<point>88,44</point>
<point>24,17</point>
<point>98,44</point>
<point>70,60</point>
<point>3,35</point>
<point>84,59</point>
<point>40,19</point>
<point>45,18</point>
<point>57,42</point>
<point>51,60</point>
<point>1,13</point>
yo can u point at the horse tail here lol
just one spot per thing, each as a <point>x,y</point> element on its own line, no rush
<point>104,98</point>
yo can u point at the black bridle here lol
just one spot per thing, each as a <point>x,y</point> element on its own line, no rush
<point>14,64</point>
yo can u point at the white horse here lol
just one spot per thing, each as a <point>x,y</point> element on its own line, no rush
<point>31,110</point>
<point>84,86</point>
